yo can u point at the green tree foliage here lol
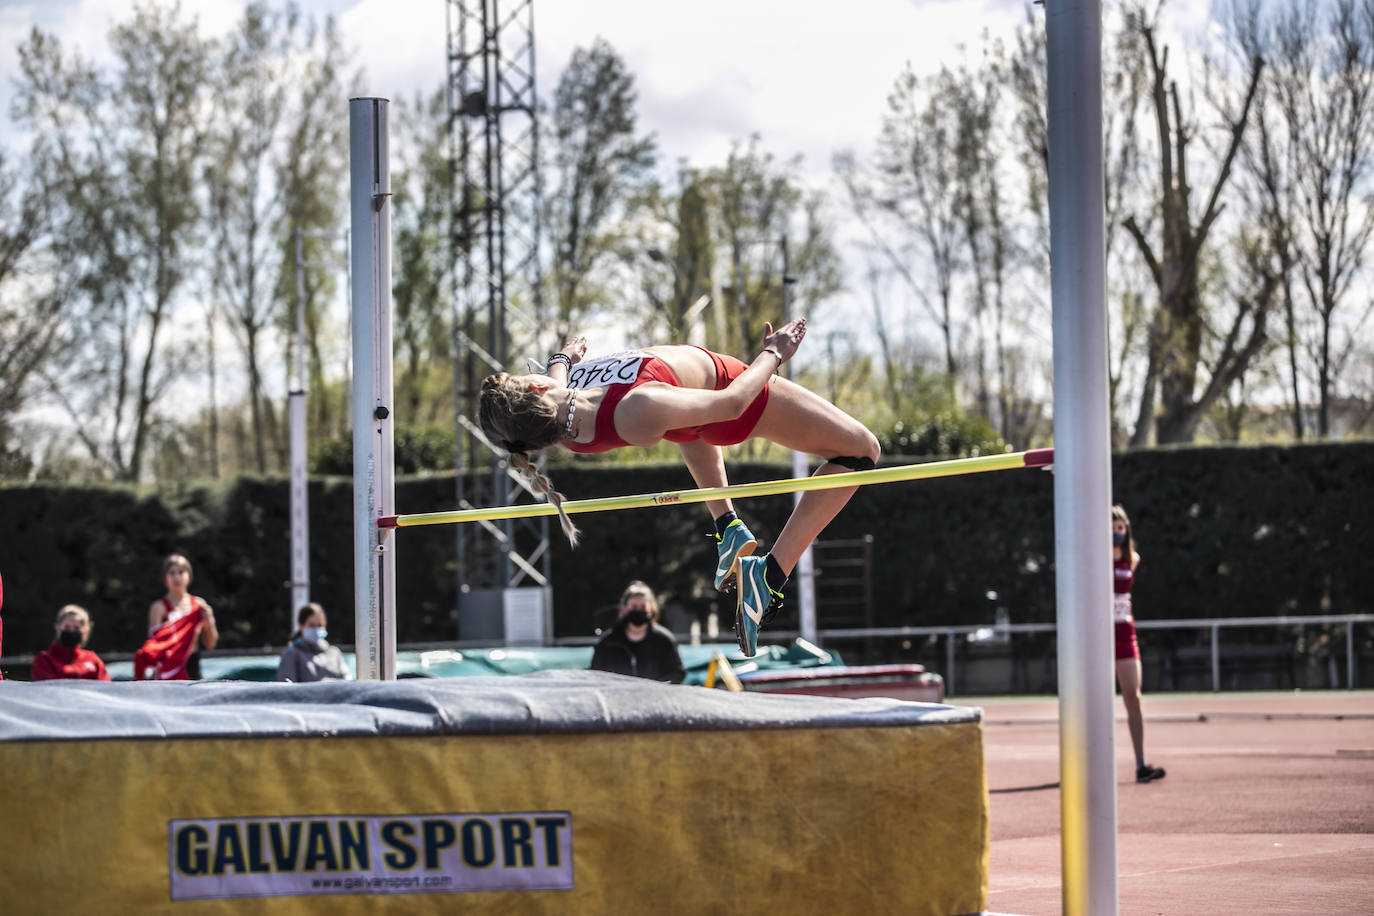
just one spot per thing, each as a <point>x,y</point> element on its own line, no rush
<point>311,173</point>
<point>121,149</point>
<point>34,336</point>
<point>678,264</point>
<point>246,206</point>
<point>421,321</point>
<point>600,162</point>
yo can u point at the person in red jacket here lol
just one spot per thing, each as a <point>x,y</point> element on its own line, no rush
<point>179,624</point>
<point>68,656</point>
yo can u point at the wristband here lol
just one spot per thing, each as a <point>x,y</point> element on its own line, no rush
<point>775,353</point>
<point>563,358</point>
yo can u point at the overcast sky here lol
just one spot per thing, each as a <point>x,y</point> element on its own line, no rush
<point>810,77</point>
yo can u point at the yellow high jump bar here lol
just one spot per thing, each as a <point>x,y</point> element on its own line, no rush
<point>1034,458</point>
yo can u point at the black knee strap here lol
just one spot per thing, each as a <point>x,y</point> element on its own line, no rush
<point>863,463</point>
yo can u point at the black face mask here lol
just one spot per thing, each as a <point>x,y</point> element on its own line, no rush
<point>69,639</point>
<point>1118,538</point>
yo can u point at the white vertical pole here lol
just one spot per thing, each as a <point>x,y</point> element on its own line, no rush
<point>374,489</point>
<point>300,496</point>
<point>806,570</point>
<point>1082,459</point>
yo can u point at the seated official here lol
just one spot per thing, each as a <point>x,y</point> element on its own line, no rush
<point>309,656</point>
<point>637,645</point>
<point>68,656</point>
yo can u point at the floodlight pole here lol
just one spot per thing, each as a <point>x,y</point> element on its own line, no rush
<point>300,481</point>
<point>300,492</point>
<point>1082,449</point>
<point>374,486</point>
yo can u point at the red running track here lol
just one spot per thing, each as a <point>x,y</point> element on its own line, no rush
<point>1268,806</point>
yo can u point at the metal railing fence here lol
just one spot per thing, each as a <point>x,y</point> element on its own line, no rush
<point>1214,625</point>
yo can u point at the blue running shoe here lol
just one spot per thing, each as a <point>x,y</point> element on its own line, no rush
<point>754,604</point>
<point>735,543</point>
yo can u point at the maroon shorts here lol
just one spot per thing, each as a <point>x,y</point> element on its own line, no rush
<point>1126,645</point>
<point>726,432</point>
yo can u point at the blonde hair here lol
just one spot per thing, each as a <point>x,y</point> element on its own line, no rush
<point>638,588</point>
<point>522,422</point>
<point>521,462</point>
<point>175,561</point>
<point>72,610</point>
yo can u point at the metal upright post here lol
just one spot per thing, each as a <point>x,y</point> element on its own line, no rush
<point>806,570</point>
<point>1082,457</point>
<point>374,489</point>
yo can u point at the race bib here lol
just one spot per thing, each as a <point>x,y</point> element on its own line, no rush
<point>615,369</point>
<point>1121,608</point>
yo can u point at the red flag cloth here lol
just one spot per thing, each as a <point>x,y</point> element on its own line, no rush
<point>163,657</point>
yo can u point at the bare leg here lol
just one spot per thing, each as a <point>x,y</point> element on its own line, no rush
<point>1128,676</point>
<point>707,467</point>
<point>796,418</point>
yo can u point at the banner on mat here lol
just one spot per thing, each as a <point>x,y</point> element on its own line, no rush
<point>405,854</point>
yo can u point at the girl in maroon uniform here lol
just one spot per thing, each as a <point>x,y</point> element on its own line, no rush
<point>1124,562</point>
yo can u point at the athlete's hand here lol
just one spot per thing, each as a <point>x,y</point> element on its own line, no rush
<point>785,339</point>
<point>575,349</point>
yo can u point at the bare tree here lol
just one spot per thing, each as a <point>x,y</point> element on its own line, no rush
<point>1125,76</point>
<point>759,202</point>
<point>913,185</point>
<point>1314,162</point>
<point>1175,352</point>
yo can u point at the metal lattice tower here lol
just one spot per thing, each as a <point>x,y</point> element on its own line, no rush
<point>494,260</point>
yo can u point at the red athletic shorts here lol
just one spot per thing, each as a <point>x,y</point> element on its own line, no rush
<point>1126,645</point>
<point>727,432</point>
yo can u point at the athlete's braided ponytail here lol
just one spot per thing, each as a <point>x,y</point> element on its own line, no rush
<point>519,420</point>
<point>521,462</point>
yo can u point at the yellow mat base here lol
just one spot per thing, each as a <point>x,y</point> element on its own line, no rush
<point>820,820</point>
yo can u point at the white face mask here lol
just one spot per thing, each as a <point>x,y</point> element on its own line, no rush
<point>314,634</point>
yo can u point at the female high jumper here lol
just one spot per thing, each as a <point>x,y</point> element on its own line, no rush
<point>701,401</point>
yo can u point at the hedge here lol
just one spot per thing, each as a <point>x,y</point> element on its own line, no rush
<point>1222,531</point>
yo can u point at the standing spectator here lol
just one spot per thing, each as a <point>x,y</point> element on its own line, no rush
<point>68,656</point>
<point>178,622</point>
<point>637,645</point>
<point>1124,562</point>
<point>309,656</point>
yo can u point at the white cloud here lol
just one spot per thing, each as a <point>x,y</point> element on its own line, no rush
<point>809,78</point>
